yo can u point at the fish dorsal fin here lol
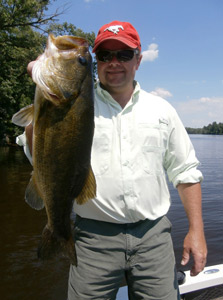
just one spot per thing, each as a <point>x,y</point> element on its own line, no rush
<point>32,196</point>
<point>89,190</point>
<point>24,117</point>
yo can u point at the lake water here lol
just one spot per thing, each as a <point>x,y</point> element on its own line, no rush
<point>24,277</point>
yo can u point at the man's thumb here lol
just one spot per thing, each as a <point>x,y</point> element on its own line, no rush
<point>185,257</point>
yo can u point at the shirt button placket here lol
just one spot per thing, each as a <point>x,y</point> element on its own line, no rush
<point>126,163</point>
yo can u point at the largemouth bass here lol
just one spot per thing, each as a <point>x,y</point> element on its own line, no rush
<point>63,127</point>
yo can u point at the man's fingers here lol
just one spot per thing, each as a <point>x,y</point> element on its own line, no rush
<point>198,266</point>
<point>195,245</point>
<point>30,67</point>
<point>199,262</point>
<point>185,257</point>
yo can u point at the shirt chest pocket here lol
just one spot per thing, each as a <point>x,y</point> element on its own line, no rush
<point>153,143</point>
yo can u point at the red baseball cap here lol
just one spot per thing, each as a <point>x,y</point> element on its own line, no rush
<point>121,31</point>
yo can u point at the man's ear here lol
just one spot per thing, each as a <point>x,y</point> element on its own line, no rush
<point>139,61</point>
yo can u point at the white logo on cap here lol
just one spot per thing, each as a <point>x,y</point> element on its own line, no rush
<point>114,28</point>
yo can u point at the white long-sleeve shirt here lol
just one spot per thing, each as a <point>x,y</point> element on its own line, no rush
<point>133,150</point>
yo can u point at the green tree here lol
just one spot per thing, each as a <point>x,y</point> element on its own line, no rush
<point>214,128</point>
<point>20,13</point>
<point>24,27</point>
<point>19,44</point>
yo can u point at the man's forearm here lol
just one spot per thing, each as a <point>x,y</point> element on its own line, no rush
<point>29,136</point>
<point>194,242</point>
<point>191,198</point>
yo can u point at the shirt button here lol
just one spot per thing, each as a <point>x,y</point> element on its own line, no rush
<point>125,163</point>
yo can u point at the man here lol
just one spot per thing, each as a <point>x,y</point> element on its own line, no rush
<point>124,232</point>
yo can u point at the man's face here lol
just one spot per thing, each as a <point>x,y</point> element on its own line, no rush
<point>117,76</point>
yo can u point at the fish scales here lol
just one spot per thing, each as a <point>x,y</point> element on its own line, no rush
<point>63,127</point>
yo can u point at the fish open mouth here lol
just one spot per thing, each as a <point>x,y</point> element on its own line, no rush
<point>58,99</point>
<point>53,96</point>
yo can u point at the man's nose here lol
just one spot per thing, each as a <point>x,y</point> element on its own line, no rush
<point>114,61</point>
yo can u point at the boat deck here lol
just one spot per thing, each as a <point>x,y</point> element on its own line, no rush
<point>208,285</point>
<point>214,293</point>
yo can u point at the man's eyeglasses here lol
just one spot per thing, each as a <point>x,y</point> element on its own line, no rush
<point>121,55</point>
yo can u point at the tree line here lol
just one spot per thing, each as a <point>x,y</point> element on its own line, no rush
<point>24,28</point>
<point>214,128</point>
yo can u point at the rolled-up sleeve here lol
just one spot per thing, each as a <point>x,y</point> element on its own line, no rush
<point>180,160</point>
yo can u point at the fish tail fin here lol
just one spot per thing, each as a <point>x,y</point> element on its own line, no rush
<point>89,190</point>
<point>52,245</point>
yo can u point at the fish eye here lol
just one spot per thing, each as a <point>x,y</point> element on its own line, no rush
<point>82,60</point>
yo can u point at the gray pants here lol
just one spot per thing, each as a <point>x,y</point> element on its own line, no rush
<point>141,252</point>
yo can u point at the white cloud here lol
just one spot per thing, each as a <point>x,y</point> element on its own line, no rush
<point>200,112</point>
<point>151,54</point>
<point>162,93</point>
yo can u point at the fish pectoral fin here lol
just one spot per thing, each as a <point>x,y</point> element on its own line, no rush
<point>24,117</point>
<point>89,190</point>
<point>32,196</point>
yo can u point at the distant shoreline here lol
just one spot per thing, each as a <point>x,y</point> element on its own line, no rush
<point>214,129</point>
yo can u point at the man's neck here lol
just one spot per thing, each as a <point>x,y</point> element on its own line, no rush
<point>122,97</point>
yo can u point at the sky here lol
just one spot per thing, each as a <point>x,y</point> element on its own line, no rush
<point>182,47</point>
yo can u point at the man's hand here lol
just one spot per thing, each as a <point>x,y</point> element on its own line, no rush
<point>195,245</point>
<point>30,67</point>
<point>194,242</point>
<point>31,64</point>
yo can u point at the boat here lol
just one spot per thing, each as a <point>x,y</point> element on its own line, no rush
<point>207,285</point>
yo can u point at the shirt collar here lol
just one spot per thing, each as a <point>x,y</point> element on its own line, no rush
<point>106,97</point>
